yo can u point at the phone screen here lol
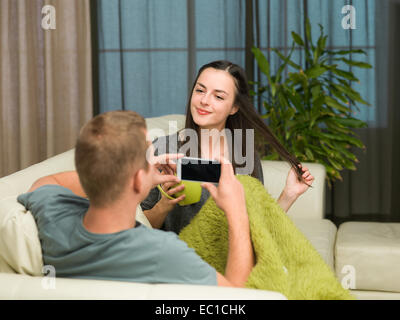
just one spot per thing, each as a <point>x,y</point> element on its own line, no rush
<point>200,170</point>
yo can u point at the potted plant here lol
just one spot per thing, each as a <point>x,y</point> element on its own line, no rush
<point>309,109</point>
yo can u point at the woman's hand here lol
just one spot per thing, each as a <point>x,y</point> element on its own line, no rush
<point>294,188</point>
<point>165,204</point>
<point>164,174</point>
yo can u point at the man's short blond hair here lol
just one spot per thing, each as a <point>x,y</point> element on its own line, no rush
<point>110,149</point>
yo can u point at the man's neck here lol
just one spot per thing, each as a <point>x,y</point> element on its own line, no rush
<point>117,217</point>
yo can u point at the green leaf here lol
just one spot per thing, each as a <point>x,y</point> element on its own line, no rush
<point>345,152</point>
<point>322,43</point>
<point>338,94</point>
<point>357,63</point>
<point>290,63</point>
<point>345,74</point>
<point>352,94</point>
<point>330,170</point>
<point>297,39</point>
<point>315,72</point>
<point>299,78</point>
<point>308,30</point>
<point>309,154</point>
<point>295,98</point>
<point>342,137</point>
<point>262,62</point>
<point>289,114</point>
<point>282,100</point>
<point>351,122</point>
<point>317,103</point>
<point>315,91</point>
<point>334,128</point>
<point>335,164</point>
<point>336,105</point>
<point>346,52</point>
<point>283,66</point>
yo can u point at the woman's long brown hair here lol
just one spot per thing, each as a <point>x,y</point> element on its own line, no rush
<point>245,118</point>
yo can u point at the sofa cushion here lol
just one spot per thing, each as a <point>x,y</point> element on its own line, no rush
<point>375,295</point>
<point>20,249</point>
<point>23,287</point>
<point>369,252</point>
<point>322,235</point>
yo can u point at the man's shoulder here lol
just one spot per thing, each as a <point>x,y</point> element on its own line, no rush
<point>49,200</point>
<point>43,193</point>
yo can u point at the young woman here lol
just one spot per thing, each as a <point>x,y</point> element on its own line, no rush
<point>220,102</point>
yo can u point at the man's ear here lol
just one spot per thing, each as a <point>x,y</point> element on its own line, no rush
<point>138,181</point>
<point>235,109</point>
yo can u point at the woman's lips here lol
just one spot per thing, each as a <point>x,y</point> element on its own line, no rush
<point>202,112</point>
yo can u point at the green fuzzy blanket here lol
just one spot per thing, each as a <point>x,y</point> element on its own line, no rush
<point>285,260</point>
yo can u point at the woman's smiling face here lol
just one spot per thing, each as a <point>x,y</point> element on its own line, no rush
<point>212,99</point>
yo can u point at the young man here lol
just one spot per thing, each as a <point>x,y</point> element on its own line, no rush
<point>101,239</point>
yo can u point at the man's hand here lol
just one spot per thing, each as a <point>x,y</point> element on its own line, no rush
<point>163,167</point>
<point>163,174</point>
<point>229,196</point>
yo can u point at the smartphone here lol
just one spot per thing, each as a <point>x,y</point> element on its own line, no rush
<point>198,170</point>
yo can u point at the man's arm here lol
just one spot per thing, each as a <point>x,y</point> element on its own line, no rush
<point>68,179</point>
<point>240,256</point>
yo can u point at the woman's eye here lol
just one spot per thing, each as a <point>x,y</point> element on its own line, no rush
<point>199,90</point>
<point>220,98</point>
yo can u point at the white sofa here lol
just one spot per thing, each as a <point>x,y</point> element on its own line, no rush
<point>21,267</point>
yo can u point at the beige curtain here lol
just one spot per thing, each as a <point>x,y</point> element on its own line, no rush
<point>45,79</point>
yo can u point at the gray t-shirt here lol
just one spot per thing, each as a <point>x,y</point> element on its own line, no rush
<point>139,254</point>
<point>180,216</point>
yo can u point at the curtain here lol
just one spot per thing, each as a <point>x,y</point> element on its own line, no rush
<point>45,79</point>
<point>149,52</point>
